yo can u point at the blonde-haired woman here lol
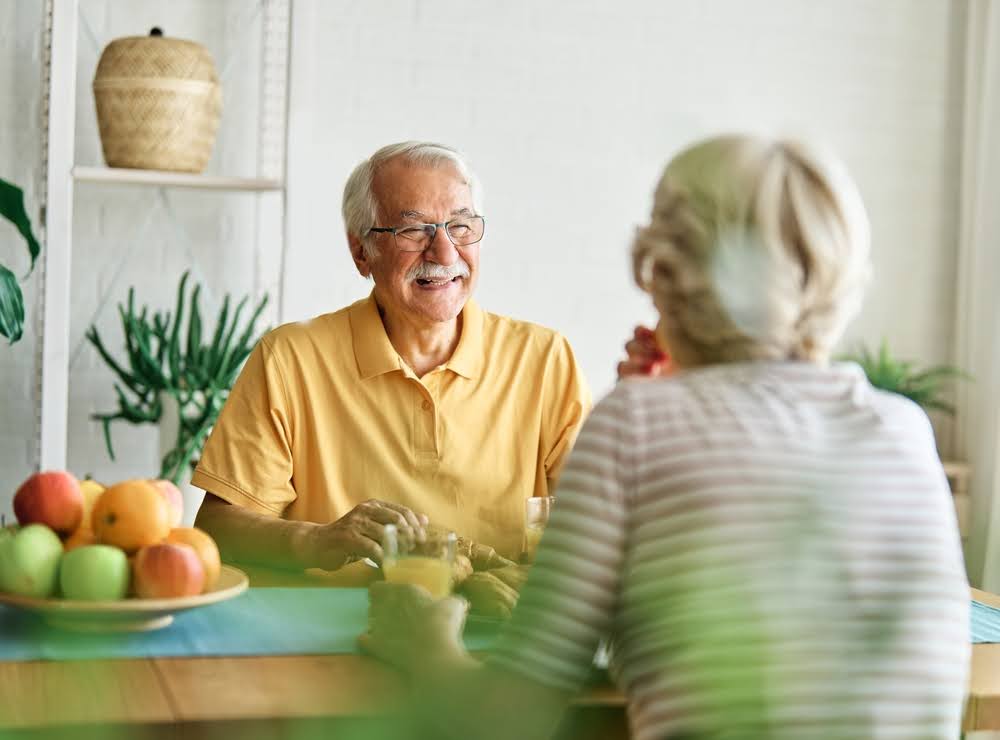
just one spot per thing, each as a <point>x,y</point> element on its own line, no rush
<point>768,541</point>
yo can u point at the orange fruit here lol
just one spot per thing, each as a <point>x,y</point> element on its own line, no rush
<point>130,515</point>
<point>82,536</point>
<point>204,546</point>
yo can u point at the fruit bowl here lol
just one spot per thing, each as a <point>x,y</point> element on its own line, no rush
<point>127,615</point>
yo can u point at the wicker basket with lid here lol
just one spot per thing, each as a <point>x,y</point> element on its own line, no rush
<point>158,103</point>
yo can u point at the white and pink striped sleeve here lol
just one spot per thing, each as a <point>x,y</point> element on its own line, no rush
<point>568,602</point>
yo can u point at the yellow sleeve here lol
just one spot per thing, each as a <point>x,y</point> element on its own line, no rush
<point>567,403</point>
<point>247,459</point>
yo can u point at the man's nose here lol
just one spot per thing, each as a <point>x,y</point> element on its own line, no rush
<point>441,250</point>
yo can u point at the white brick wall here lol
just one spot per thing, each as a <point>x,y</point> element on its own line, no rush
<point>20,143</point>
<point>122,228</point>
<point>152,237</point>
<point>568,110</point>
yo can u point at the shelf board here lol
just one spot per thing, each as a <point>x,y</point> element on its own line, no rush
<point>158,178</point>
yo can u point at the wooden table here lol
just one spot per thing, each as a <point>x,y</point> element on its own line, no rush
<point>287,696</point>
<point>982,712</point>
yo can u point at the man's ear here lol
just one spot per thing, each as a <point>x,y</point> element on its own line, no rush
<point>359,256</point>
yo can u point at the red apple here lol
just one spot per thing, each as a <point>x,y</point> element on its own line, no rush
<point>167,571</point>
<point>175,501</point>
<point>204,545</point>
<point>51,498</point>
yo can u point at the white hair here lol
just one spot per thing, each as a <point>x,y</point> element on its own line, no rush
<point>360,207</point>
<point>756,249</point>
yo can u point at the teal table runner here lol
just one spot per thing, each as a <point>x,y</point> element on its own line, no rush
<point>266,621</point>
<point>985,623</point>
<point>262,621</point>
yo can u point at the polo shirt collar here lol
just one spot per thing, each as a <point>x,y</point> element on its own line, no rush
<point>376,355</point>
<point>372,348</point>
<point>468,358</point>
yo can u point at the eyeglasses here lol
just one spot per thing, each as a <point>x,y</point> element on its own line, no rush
<point>461,232</point>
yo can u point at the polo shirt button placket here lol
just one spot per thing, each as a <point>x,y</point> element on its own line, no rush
<point>426,435</point>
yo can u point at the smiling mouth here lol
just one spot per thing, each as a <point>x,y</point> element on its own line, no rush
<point>428,282</point>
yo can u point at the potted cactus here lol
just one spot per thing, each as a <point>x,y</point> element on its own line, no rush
<point>175,374</point>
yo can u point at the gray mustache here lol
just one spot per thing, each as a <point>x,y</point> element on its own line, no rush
<point>431,271</point>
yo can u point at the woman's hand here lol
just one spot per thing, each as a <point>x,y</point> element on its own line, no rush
<point>513,575</point>
<point>489,596</point>
<point>411,630</point>
<point>644,356</point>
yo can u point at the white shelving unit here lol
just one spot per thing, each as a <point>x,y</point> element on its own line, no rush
<point>157,178</point>
<point>62,174</point>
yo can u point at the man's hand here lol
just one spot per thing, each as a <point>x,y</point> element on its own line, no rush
<point>513,575</point>
<point>358,534</point>
<point>461,569</point>
<point>482,557</point>
<point>411,630</point>
<point>645,357</point>
<point>489,596</point>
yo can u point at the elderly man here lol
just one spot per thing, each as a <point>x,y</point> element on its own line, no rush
<point>411,406</point>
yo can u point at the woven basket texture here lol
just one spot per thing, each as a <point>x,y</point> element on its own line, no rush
<point>158,104</point>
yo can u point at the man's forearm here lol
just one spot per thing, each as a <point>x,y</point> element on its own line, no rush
<point>248,537</point>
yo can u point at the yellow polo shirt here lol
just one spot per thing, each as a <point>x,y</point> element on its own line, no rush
<point>325,415</point>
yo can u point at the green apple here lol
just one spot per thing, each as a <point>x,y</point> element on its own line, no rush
<point>7,530</point>
<point>94,573</point>
<point>29,561</point>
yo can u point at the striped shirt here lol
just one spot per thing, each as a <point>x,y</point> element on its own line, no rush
<point>771,548</point>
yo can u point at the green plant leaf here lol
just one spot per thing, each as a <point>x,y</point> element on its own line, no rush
<point>194,324</point>
<point>11,306</point>
<point>11,298</point>
<point>248,333</point>
<point>159,360</point>
<point>226,348</point>
<point>12,208</point>
<point>106,426</point>
<point>127,378</point>
<point>217,348</point>
<point>174,352</point>
<point>940,373</point>
<point>147,361</point>
<point>924,387</point>
<point>940,406</point>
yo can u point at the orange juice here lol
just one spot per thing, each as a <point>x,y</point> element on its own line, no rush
<point>532,536</point>
<point>434,574</point>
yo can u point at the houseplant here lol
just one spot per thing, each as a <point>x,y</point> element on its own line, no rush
<point>11,298</point>
<point>170,363</point>
<point>925,387</point>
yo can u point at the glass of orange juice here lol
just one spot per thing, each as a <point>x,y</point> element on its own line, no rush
<point>430,568</point>
<point>536,516</point>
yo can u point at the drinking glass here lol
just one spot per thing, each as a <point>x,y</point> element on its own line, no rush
<point>429,568</point>
<point>536,516</point>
